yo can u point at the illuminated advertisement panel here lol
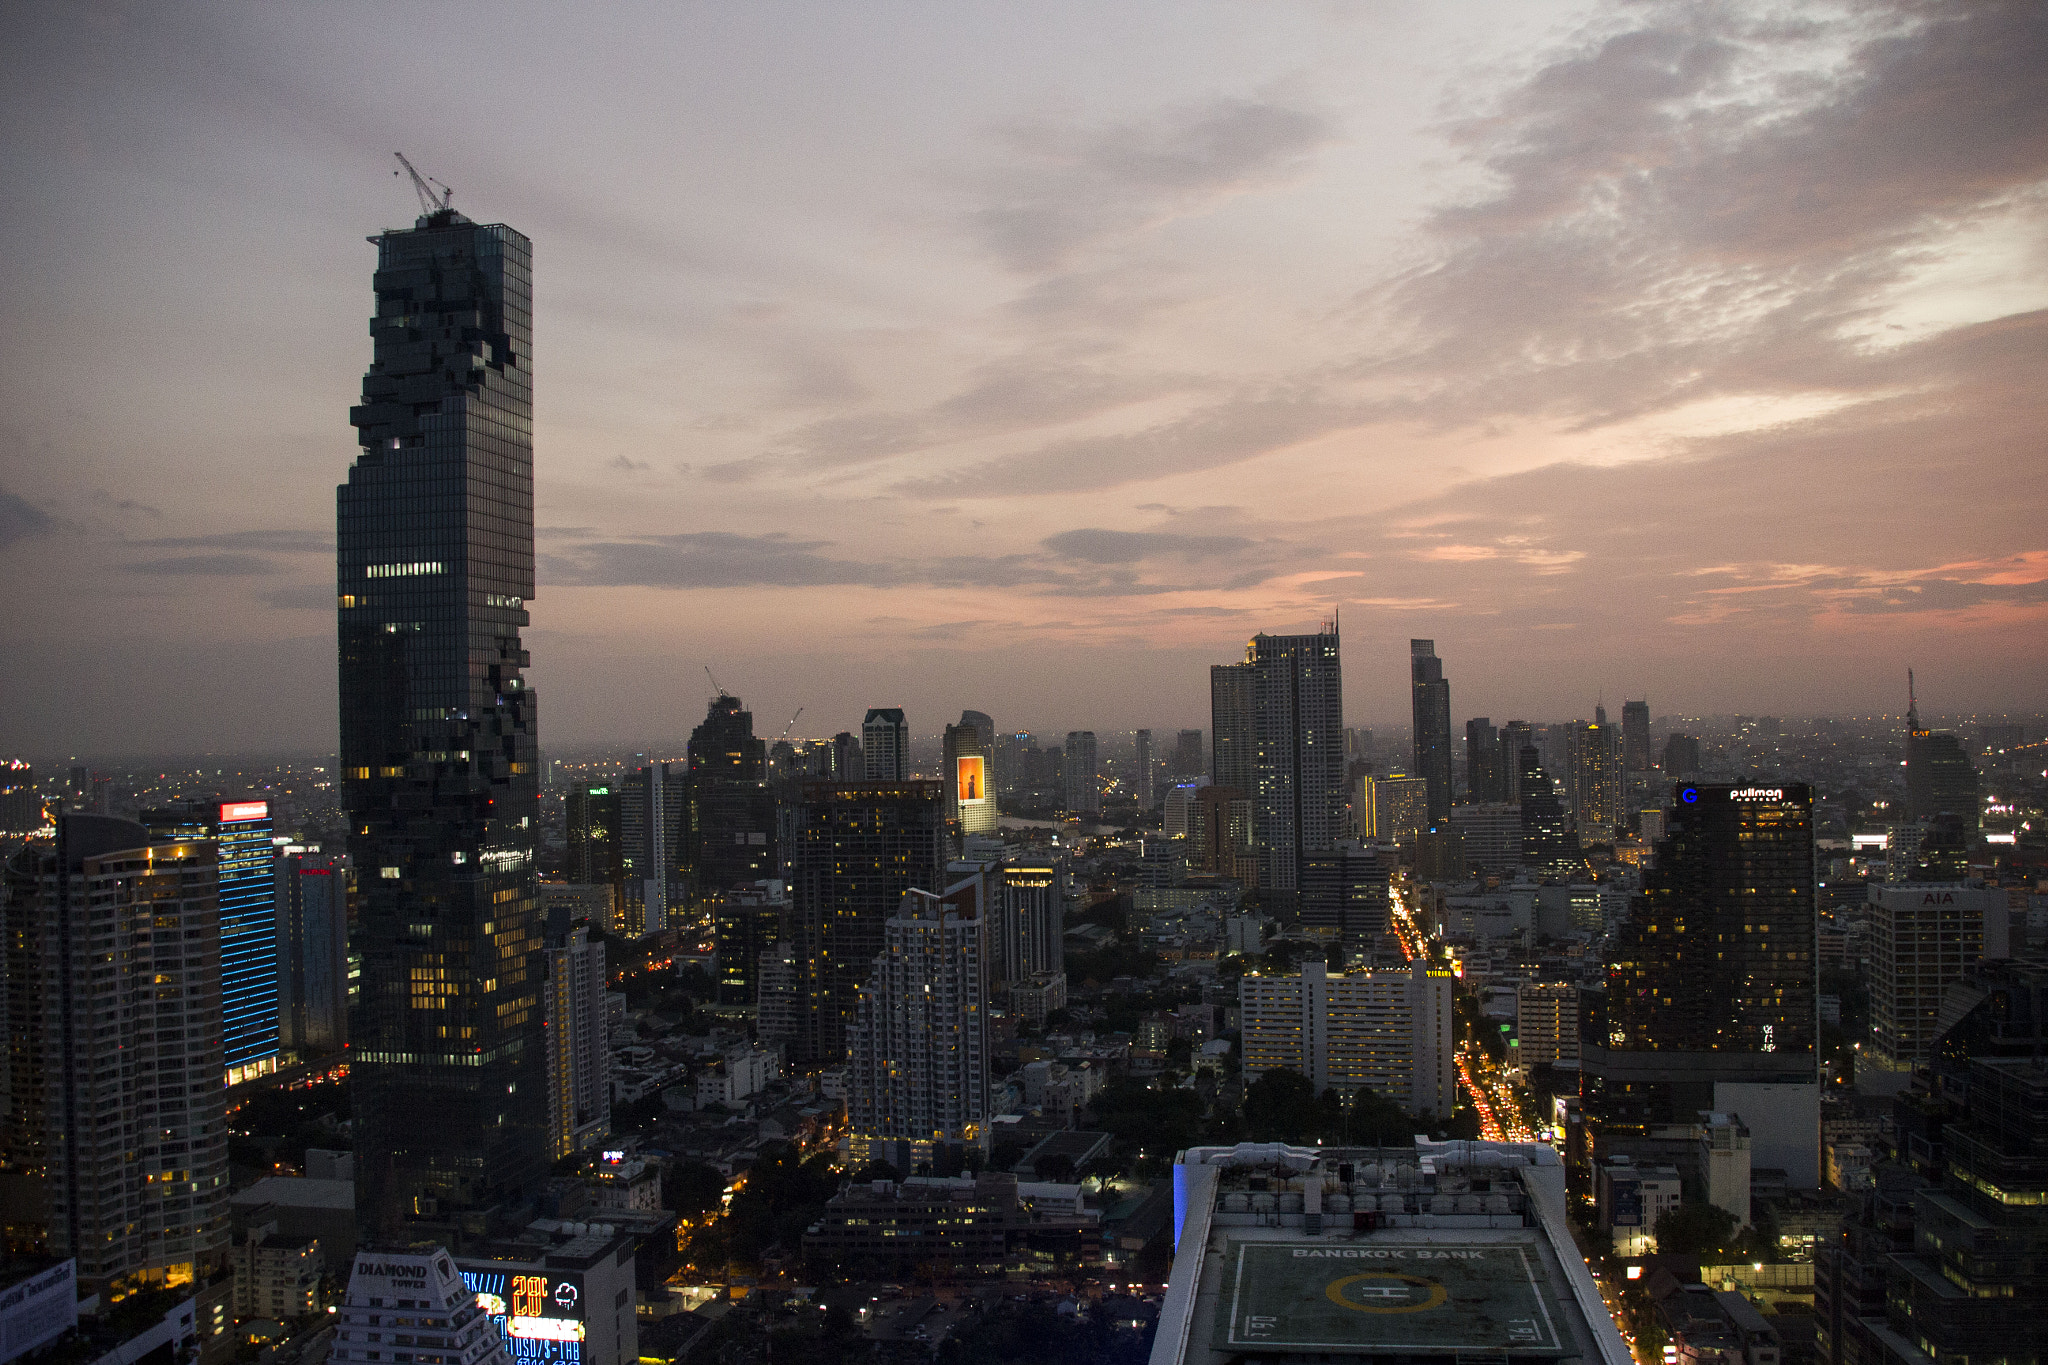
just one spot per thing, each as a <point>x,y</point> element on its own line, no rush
<point>244,810</point>
<point>541,1315</point>
<point>972,779</point>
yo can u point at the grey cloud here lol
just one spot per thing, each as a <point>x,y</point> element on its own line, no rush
<point>284,541</point>
<point>1098,546</point>
<point>22,520</point>
<point>221,566</point>
<point>301,597</point>
<point>1067,188</point>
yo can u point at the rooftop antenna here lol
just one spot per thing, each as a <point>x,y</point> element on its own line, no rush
<point>424,187</point>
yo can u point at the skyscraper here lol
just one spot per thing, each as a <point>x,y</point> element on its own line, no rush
<point>1082,778</point>
<point>919,1041</point>
<point>729,828</point>
<point>1187,754</point>
<point>856,849</point>
<point>1596,778</point>
<point>1297,770</point>
<point>1635,736</point>
<point>1143,771</point>
<point>312,953</point>
<point>579,1059</point>
<point>1940,779</point>
<point>1681,757</point>
<point>592,856</point>
<point>969,753</point>
<point>1923,937</point>
<point>113,1065</point>
<point>1485,775</point>
<point>438,732</point>
<point>885,745</point>
<point>1394,1032</point>
<point>654,814</point>
<point>1232,745</point>
<point>248,923</point>
<point>1431,696</point>
<point>1710,1000</point>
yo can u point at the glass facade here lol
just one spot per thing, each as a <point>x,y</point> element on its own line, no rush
<point>438,746</point>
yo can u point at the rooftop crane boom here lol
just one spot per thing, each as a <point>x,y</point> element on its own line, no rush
<point>792,724</point>
<point>424,187</point>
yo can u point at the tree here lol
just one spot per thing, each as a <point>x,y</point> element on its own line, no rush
<point>1376,1121</point>
<point>693,1188</point>
<point>1694,1229</point>
<point>1282,1106</point>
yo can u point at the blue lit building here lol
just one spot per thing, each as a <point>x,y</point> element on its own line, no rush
<point>248,922</point>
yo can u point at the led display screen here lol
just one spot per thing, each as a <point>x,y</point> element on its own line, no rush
<point>540,1315</point>
<point>972,778</point>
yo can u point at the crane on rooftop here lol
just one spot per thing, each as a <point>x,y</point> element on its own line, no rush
<point>424,186</point>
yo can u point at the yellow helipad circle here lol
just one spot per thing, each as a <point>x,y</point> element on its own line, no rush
<point>1334,1291</point>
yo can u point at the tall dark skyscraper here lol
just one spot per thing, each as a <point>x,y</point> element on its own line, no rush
<point>1635,736</point>
<point>1432,699</point>
<point>1232,745</point>
<point>1711,998</point>
<point>729,836</point>
<point>1299,802</point>
<point>1940,779</point>
<point>1485,776</point>
<point>438,747</point>
<point>592,856</point>
<point>856,849</point>
<point>885,744</point>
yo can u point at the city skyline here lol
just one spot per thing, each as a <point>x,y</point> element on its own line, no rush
<point>945,360</point>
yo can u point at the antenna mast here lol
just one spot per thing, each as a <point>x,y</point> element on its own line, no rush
<point>424,186</point>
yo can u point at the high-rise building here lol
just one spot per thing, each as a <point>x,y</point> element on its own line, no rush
<point>1711,991</point>
<point>918,1082</point>
<point>438,733</point>
<point>1940,779</point>
<point>857,847</point>
<point>1345,889</point>
<point>1394,1032</point>
<point>1491,835</point>
<point>885,745</point>
<point>592,855</point>
<point>1681,757</point>
<point>1596,778</point>
<point>1187,755</point>
<point>1635,736</point>
<point>1022,916</point>
<point>729,830</point>
<point>579,1059</point>
<point>969,753</point>
<point>1232,744</point>
<point>654,817</point>
<point>1222,832</point>
<point>421,1283</point>
<point>1083,778</point>
<point>1400,808</point>
<point>746,923</point>
<point>1923,937</point>
<point>1515,736</point>
<point>1485,777</point>
<point>312,953</point>
<point>1296,774</point>
<point>1432,705</point>
<point>1143,770</point>
<point>1546,1023</point>
<point>1547,837</point>
<point>21,805</point>
<point>248,923</point>
<point>113,1065</point>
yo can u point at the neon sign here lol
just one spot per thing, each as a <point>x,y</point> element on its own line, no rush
<point>244,810</point>
<point>1689,794</point>
<point>1758,794</point>
<point>541,1317</point>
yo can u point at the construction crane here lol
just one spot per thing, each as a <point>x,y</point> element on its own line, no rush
<point>792,724</point>
<point>716,690</point>
<point>424,187</point>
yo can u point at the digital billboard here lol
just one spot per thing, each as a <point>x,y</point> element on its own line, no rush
<point>971,778</point>
<point>541,1315</point>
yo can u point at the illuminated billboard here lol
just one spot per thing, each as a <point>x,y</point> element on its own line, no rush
<point>244,810</point>
<point>972,779</point>
<point>540,1314</point>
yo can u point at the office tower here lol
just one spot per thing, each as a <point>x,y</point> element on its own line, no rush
<point>1547,838</point>
<point>116,1108</point>
<point>918,1082</point>
<point>1222,830</point>
<point>312,953</point>
<point>1177,818</point>
<point>969,754</point>
<point>654,815</point>
<point>1400,808</point>
<point>728,828</point>
<point>438,732</point>
<point>1595,764</point>
<point>1485,777</point>
<point>1364,812</point>
<point>1635,736</point>
<point>1940,779</point>
<point>780,1004</point>
<point>1547,1023</point>
<point>746,923</point>
<point>1083,781</point>
<point>1432,704</point>
<point>848,762</point>
<point>592,856</point>
<point>1491,835</point>
<point>1923,937</point>
<point>248,922</point>
<point>432,1303</point>
<point>21,805</point>
<point>1515,735</point>
<point>1142,769</point>
<point>885,745</point>
<point>856,848</point>
<point>1233,746</point>
<point>1187,755</point>
<point>1710,1000</point>
<point>1296,687</point>
<point>1394,1032</point>
<point>1681,757</point>
<point>579,1058</point>
<point>1023,917</point>
<point>1345,889</point>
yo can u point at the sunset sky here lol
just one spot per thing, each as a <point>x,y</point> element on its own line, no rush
<point>1029,357</point>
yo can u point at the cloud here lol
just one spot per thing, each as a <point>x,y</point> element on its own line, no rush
<point>221,565</point>
<point>1064,188</point>
<point>284,541</point>
<point>1097,546</point>
<point>301,597</point>
<point>21,520</point>
<point>707,559</point>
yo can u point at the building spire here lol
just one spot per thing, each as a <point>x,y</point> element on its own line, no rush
<point>1912,706</point>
